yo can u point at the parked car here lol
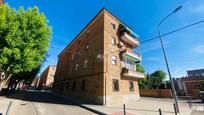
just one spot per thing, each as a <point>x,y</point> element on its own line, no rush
<point>202,96</point>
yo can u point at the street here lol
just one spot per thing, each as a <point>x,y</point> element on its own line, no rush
<point>43,103</point>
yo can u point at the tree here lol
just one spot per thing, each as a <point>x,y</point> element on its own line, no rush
<point>154,80</point>
<point>24,39</point>
<point>139,68</point>
<point>157,78</point>
<point>145,82</point>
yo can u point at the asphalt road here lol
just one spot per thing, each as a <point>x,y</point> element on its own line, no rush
<point>42,103</point>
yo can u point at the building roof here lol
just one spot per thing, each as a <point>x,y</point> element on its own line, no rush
<point>196,72</point>
<point>103,9</point>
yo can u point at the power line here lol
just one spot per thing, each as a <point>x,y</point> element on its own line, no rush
<point>55,48</point>
<point>173,31</point>
<point>153,38</point>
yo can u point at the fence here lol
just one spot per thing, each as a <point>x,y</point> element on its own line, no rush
<point>163,93</point>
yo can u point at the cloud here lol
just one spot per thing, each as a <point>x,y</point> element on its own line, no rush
<point>195,7</point>
<point>199,49</point>
<point>152,46</point>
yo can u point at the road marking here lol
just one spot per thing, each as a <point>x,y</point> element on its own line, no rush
<point>42,110</point>
<point>39,108</point>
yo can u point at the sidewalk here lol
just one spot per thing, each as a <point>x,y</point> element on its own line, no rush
<point>4,104</point>
<point>144,106</point>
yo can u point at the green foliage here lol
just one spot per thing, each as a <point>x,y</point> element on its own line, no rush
<point>157,78</point>
<point>154,80</point>
<point>139,68</point>
<point>24,39</point>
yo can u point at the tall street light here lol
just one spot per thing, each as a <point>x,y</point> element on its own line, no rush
<point>165,57</point>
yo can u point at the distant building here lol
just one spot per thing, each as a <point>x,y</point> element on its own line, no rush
<point>196,73</point>
<point>1,2</point>
<point>46,79</point>
<point>191,84</point>
<point>35,82</point>
<point>99,65</point>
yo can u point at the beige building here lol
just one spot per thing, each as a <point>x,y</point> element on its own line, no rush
<point>99,65</point>
<point>47,77</point>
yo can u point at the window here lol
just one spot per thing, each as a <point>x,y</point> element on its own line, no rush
<point>130,65</point>
<point>76,67</point>
<point>79,52</point>
<point>131,86</point>
<point>74,86</point>
<point>67,85</point>
<point>72,56</point>
<point>202,74</point>
<point>113,40</point>
<point>115,85</point>
<point>87,46</point>
<point>113,25</point>
<point>83,84</point>
<point>114,60</point>
<point>85,63</point>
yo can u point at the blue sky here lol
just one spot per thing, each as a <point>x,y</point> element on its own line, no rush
<point>185,49</point>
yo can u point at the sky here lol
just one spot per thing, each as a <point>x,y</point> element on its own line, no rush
<point>185,48</point>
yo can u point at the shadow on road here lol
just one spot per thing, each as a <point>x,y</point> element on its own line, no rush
<point>39,96</point>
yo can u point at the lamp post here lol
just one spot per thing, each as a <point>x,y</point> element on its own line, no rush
<point>165,57</point>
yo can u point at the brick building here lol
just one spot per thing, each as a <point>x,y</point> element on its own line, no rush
<point>99,65</point>
<point>1,2</point>
<point>47,77</point>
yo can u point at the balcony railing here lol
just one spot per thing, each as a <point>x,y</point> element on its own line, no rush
<point>132,73</point>
<point>131,56</point>
<point>129,39</point>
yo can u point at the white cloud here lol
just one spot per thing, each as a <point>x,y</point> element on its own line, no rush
<point>195,7</point>
<point>152,46</point>
<point>199,49</point>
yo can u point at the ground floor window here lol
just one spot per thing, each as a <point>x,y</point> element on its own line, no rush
<point>115,85</point>
<point>74,86</point>
<point>131,85</point>
<point>83,85</point>
<point>67,87</point>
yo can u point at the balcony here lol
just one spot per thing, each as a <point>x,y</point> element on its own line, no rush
<point>132,73</point>
<point>131,56</point>
<point>129,39</point>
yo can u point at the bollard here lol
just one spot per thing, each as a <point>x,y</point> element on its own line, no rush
<point>189,103</point>
<point>124,109</point>
<point>160,113</point>
<point>175,109</point>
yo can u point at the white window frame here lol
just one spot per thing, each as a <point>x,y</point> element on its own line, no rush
<point>87,46</point>
<point>72,56</point>
<point>113,40</point>
<point>113,25</point>
<point>114,60</point>
<point>85,63</point>
<point>76,67</point>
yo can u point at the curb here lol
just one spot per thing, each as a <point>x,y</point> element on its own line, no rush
<point>82,106</point>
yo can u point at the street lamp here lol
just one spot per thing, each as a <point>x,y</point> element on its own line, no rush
<point>165,57</point>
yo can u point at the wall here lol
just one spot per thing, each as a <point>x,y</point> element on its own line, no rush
<point>76,53</point>
<point>47,77</point>
<point>115,71</point>
<point>163,93</point>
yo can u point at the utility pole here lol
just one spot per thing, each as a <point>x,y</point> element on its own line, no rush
<point>165,58</point>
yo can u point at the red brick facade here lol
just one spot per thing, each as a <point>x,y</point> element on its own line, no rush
<point>192,85</point>
<point>47,77</point>
<point>91,66</point>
